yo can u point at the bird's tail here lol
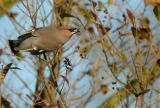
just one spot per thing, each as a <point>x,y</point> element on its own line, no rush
<point>12,45</point>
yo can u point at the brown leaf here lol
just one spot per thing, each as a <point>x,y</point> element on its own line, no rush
<point>156,11</point>
<point>100,5</point>
<point>90,30</point>
<point>131,17</point>
<point>84,51</point>
<point>145,22</point>
<point>58,2</point>
<point>81,10</point>
<point>104,88</point>
<point>85,40</point>
<point>104,30</point>
<point>86,13</point>
<point>144,33</point>
<point>94,15</point>
<point>1,51</point>
<point>141,33</point>
<point>142,92</point>
<point>59,104</point>
<point>94,4</point>
<point>158,62</point>
<point>110,2</point>
<point>6,69</point>
<point>153,2</point>
<point>144,76</point>
<point>107,29</point>
<point>5,103</point>
<point>12,15</point>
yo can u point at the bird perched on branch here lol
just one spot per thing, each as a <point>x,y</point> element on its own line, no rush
<point>42,39</point>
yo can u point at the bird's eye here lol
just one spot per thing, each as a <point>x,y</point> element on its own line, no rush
<point>74,31</point>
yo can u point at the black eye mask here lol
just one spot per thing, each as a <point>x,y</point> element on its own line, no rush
<point>72,29</point>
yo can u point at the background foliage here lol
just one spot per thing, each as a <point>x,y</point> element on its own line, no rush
<point>113,62</point>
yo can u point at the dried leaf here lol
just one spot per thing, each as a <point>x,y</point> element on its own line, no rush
<point>156,11</point>
<point>107,29</point>
<point>1,51</point>
<point>5,103</point>
<point>12,15</point>
<point>144,77</point>
<point>142,92</point>
<point>109,2</point>
<point>94,4</point>
<point>81,10</point>
<point>141,33</point>
<point>94,15</point>
<point>88,16</point>
<point>6,68</point>
<point>100,5</point>
<point>90,30</point>
<point>86,13</point>
<point>59,104</point>
<point>134,31</point>
<point>85,40</point>
<point>58,2</point>
<point>104,30</point>
<point>153,2</point>
<point>4,71</point>
<point>145,22</point>
<point>131,17</point>
<point>84,51</point>
<point>158,62</point>
<point>104,88</point>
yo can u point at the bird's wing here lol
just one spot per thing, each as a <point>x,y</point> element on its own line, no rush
<point>37,52</point>
<point>29,34</point>
<point>25,36</point>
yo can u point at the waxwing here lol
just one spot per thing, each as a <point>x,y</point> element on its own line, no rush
<point>42,39</point>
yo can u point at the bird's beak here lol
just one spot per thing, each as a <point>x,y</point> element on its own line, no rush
<point>75,31</point>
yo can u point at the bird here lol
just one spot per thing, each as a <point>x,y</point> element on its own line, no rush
<point>42,39</point>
